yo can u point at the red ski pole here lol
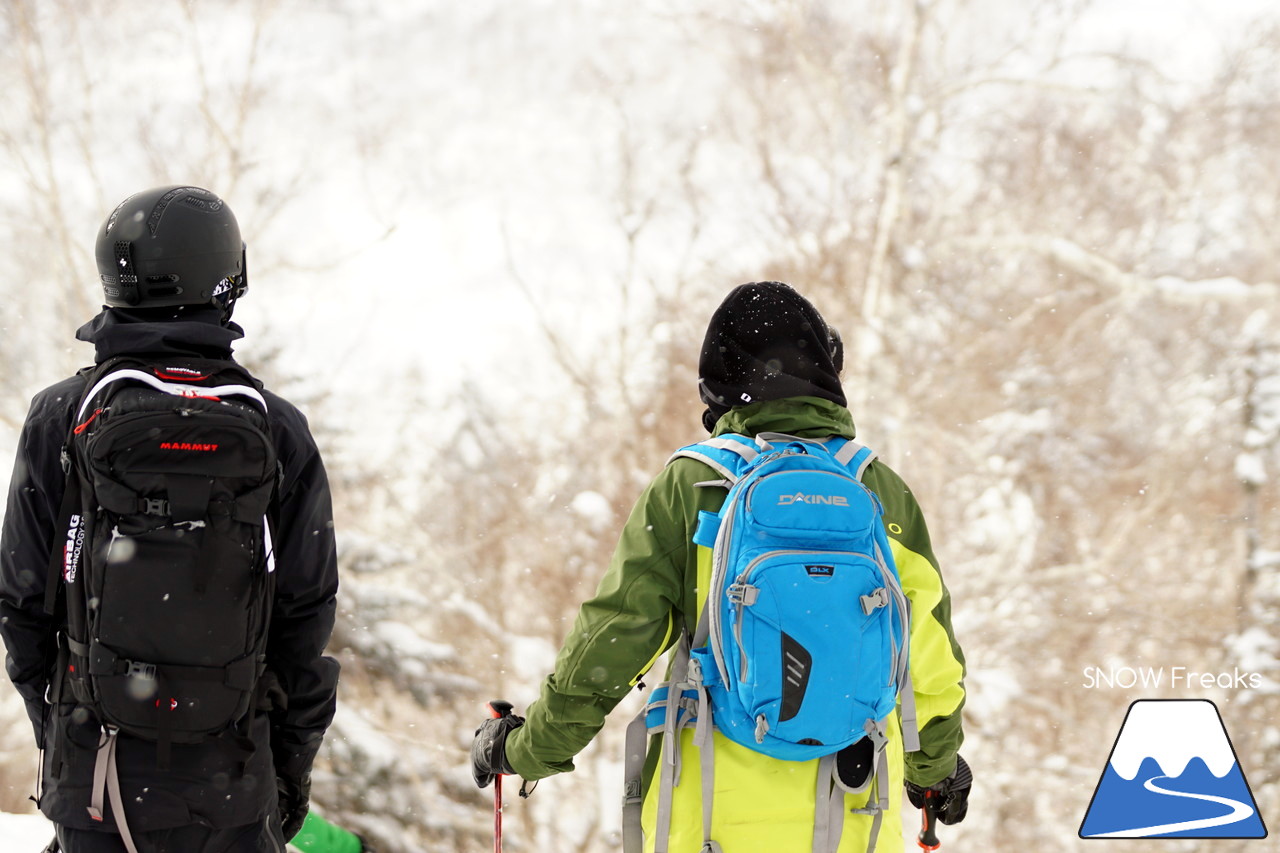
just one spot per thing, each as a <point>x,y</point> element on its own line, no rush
<point>928,837</point>
<point>498,709</point>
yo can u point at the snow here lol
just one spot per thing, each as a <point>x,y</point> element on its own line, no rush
<point>1255,650</point>
<point>593,508</point>
<point>24,833</point>
<point>531,658</point>
<point>1173,733</point>
<point>408,642</point>
<point>990,691</point>
<point>1250,468</point>
<point>1225,287</point>
<point>357,741</point>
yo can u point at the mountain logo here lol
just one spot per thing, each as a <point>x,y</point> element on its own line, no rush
<point>1173,773</point>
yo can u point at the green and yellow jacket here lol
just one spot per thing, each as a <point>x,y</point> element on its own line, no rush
<point>649,595</point>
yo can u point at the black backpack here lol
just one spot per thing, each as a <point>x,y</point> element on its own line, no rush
<point>165,548</point>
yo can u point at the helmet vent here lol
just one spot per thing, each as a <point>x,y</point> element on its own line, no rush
<point>172,290</point>
<point>162,279</point>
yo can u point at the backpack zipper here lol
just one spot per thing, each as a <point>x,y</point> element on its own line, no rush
<point>744,579</point>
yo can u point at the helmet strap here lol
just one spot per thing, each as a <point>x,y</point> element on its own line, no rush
<point>232,288</point>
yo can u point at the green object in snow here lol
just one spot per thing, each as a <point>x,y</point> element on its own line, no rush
<point>319,836</point>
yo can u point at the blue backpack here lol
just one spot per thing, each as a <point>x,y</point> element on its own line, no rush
<point>803,642</point>
<point>801,648</point>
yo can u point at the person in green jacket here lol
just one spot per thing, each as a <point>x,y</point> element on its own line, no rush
<point>316,836</point>
<point>769,363</point>
<point>322,836</point>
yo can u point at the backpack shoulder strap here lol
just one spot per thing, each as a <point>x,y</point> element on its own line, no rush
<point>103,379</point>
<point>728,454</point>
<point>68,529</point>
<point>853,455</point>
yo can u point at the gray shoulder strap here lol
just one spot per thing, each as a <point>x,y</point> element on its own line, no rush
<point>745,452</point>
<point>719,467</point>
<point>851,449</point>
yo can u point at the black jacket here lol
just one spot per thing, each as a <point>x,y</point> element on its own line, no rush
<point>229,781</point>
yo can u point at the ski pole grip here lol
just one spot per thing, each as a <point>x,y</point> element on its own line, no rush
<point>499,708</point>
<point>928,837</point>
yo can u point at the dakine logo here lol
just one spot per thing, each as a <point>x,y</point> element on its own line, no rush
<point>188,446</point>
<point>71,551</point>
<point>802,498</point>
<point>1173,773</point>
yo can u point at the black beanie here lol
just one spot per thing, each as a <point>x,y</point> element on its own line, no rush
<point>766,342</point>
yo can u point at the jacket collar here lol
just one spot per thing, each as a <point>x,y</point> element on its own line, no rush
<point>198,332</point>
<point>807,417</point>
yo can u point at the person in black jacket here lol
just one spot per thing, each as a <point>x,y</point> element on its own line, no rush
<point>246,789</point>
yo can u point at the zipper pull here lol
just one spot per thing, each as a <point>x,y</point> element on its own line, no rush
<point>84,426</point>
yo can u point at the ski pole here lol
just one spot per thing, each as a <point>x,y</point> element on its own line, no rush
<point>928,837</point>
<point>498,708</point>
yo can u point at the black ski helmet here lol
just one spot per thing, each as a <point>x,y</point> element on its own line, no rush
<point>767,342</point>
<point>172,245</point>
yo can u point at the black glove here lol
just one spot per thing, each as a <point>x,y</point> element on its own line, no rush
<point>294,801</point>
<point>951,794</point>
<point>488,750</point>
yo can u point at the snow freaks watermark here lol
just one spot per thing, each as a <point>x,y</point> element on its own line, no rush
<point>1173,773</point>
<point>1172,677</point>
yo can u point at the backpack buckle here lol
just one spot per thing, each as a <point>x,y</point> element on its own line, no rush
<point>137,669</point>
<point>877,599</point>
<point>744,594</point>
<point>155,506</point>
<point>762,728</point>
<point>695,671</point>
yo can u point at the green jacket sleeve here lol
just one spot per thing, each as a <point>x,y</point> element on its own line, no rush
<point>320,836</point>
<point>633,617</point>
<point>937,662</point>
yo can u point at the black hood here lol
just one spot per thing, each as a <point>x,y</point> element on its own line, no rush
<point>767,342</point>
<point>197,331</point>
